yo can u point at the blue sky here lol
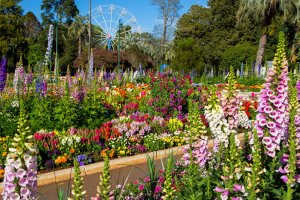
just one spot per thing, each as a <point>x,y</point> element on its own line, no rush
<point>146,14</point>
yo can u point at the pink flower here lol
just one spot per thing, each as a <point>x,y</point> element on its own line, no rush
<point>273,114</point>
<point>23,182</point>
<point>262,122</point>
<point>157,189</point>
<point>279,119</point>
<point>224,195</point>
<point>267,140</point>
<point>277,103</point>
<point>281,170</point>
<point>284,178</point>
<point>25,192</point>
<point>147,179</point>
<point>236,198</point>
<point>217,189</point>
<point>161,179</point>
<point>238,188</point>
<point>10,177</point>
<point>270,93</point>
<point>141,187</point>
<point>273,132</point>
<point>271,125</point>
<point>268,109</point>
<point>280,89</point>
<point>271,147</point>
<point>21,173</point>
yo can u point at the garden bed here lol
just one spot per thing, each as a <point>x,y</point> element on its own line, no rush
<point>47,182</point>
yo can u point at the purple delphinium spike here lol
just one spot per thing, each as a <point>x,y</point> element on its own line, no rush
<point>3,73</point>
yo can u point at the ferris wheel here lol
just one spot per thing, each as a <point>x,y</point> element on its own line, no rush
<point>110,22</point>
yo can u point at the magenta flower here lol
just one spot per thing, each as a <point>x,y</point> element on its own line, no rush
<point>218,189</point>
<point>267,140</point>
<point>284,178</point>
<point>239,188</point>
<point>147,179</point>
<point>141,187</point>
<point>157,189</point>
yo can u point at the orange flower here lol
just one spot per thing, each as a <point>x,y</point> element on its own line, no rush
<point>4,154</point>
<point>1,173</point>
<point>103,153</point>
<point>61,159</point>
<point>112,153</point>
<point>72,150</point>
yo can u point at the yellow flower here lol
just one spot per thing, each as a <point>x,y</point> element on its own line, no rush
<point>4,154</point>
<point>122,152</point>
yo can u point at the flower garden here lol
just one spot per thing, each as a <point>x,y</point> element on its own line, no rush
<point>74,121</point>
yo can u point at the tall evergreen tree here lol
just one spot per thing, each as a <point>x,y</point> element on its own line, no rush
<point>12,41</point>
<point>33,26</point>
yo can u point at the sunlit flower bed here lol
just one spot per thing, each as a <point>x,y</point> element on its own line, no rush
<point>83,119</point>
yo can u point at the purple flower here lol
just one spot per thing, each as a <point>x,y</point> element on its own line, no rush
<point>81,159</point>
<point>284,159</point>
<point>25,192</point>
<point>3,73</point>
<point>249,157</point>
<point>21,173</point>
<point>284,178</point>
<point>23,182</point>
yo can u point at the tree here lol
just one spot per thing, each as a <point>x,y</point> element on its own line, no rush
<point>32,26</point>
<point>66,9</point>
<point>214,31</point>
<point>12,39</point>
<point>265,11</point>
<point>169,12</point>
<point>78,29</point>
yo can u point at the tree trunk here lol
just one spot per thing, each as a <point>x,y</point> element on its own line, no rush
<point>165,30</point>
<point>79,46</point>
<point>260,52</point>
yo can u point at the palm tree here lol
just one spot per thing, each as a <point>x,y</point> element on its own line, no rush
<point>265,12</point>
<point>77,29</point>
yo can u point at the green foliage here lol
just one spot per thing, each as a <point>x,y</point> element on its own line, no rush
<point>12,40</point>
<point>240,53</point>
<point>152,171</point>
<point>104,186</point>
<point>195,126</point>
<point>66,9</point>
<point>93,112</point>
<point>41,114</point>
<point>187,53</point>
<point>292,142</point>
<point>195,186</point>
<point>9,113</point>
<point>153,143</point>
<point>77,191</point>
<point>168,190</point>
<point>66,113</point>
